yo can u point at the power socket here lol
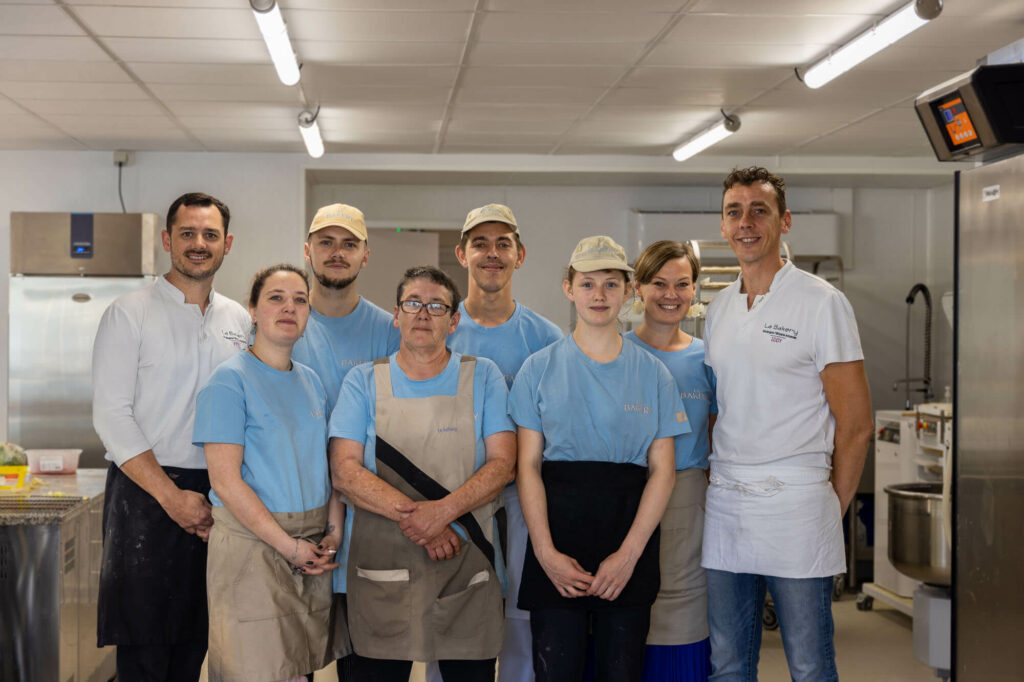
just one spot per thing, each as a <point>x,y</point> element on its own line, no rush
<point>123,158</point>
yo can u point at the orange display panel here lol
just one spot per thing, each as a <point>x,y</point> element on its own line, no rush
<point>959,128</point>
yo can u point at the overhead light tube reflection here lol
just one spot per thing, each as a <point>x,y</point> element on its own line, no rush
<point>275,35</point>
<point>310,131</point>
<point>905,20</point>
<point>713,135</point>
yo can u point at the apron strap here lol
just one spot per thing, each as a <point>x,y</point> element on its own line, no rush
<point>431,490</point>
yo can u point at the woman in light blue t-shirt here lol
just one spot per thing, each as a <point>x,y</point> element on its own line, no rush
<point>677,645</point>
<point>596,417</point>
<point>262,422</point>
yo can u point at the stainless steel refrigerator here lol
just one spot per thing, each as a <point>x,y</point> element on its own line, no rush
<point>988,599</point>
<point>66,268</point>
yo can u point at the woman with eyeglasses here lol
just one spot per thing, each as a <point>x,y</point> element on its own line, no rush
<point>260,419</point>
<point>421,445</point>
<point>678,647</point>
<point>596,420</point>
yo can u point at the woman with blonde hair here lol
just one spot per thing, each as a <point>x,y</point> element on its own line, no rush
<point>678,647</point>
<point>596,419</point>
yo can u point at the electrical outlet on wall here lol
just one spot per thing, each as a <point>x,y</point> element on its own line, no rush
<point>122,158</point>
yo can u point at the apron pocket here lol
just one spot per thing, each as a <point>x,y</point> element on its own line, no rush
<point>459,615</point>
<point>380,602</point>
<point>262,587</point>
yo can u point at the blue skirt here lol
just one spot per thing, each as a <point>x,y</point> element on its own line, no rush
<point>681,663</point>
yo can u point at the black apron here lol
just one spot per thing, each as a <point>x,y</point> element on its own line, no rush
<point>153,576</point>
<point>591,507</point>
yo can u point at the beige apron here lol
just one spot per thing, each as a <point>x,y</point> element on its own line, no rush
<point>679,615</point>
<point>402,605</point>
<point>266,623</point>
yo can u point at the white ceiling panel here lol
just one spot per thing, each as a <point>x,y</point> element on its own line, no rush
<point>663,6</point>
<point>678,98</point>
<point>519,112</point>
<point>497,95</point>
<point>207,74</point>
<point>328,80</point>
<point>477,137</point>
<point>50,71</point>
<point>40,141</point>
<point>20,122</point>
<point>231,109</point>
<point>387,137</point>
<point>683,78</point>
<point>397,96</point>
<point>50,48</point>
<point>70,91</point>
<point>554,54</point>
<point>36,20</point>
<point>542,76</point>
<point>732,55</point>
<point>160,141</point>
<point>716,29</point>
<point>189,51</point>
<point>170,22</point>
<point>571,27</point>
<point>492,147</point>
<point>797,8</point>
<point>381,52</point>
<point>505,126</point>
<point>81,126</point>
<point>224,93</point>
<point>92,107</point>
<point>652,138</point>
<point>373,26</point>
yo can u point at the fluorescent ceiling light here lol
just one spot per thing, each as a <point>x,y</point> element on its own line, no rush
<point>310,131</point>
<point>907,19</point>
<point>716,133</point>
<point>275,35</point>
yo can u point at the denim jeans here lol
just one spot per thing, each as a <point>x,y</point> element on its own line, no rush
<point>804,609</point>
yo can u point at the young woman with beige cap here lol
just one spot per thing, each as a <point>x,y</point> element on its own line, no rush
<point>596,420</point>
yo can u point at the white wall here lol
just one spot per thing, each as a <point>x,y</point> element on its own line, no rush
<point>894,237</point>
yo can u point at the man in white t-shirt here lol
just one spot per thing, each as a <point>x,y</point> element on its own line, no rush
<point>794,424</point>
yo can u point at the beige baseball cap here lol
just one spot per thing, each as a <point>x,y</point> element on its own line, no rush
<point>598,253</point>
<point>491,213</point>
<point>341,215</point>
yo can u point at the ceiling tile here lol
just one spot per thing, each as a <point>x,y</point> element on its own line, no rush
<point>518,111</point>
<point>231,109</point>
<point>92,107</point>
<point>71,91</point>
<point>729,56</point>
<point>207,74</point>
<point>483,137</point>
<point>718,79</point>
<point>567,95</point>
<point>505,126</point>
<point>720,29</point>
<point>378,26</point>
<point>54,71</point>
<point>91,126</point>
<point>224,93</point>
<point>50,48</point>
<point>663,6</point>
<point>189,51</point>
<point>170,22</point>
<point>36,20</point>
<point>554,54</point>
<point>381,52</point>
<point>570,27</point>
<point>332,80</point>
<point>665,96</point>
<point>541,76</point>
<point>797,8</point>
<point>39,141</point>
<point>494,148</point>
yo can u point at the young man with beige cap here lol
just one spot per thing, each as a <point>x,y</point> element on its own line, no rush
<point>344,329</point>
<point>495,326</point>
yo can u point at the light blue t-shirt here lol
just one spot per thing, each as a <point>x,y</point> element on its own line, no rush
<point>696,383</point>
<point>597,412</point>
<point>334,345</point>
<point>279,418</point>
<point>355,416</point>
<point>508,344</point>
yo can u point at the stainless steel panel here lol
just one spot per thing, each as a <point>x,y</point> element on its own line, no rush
<point>989,493</point>
<point>53,325</point>
<point>124,244</point>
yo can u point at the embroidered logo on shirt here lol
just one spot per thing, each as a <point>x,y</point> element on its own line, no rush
<point>680,416</point>
<point>447,429</point>
<point>637,407</point>
<point>779,332</point>
<point>317,414</point>
<point>695,394</point>
<point>238,340</point>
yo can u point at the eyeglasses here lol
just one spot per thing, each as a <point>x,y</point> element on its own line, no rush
<point>413,307</point>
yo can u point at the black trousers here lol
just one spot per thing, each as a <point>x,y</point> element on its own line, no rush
<point>160,662</point>
<point>355,667</point>
<point>560,639</point>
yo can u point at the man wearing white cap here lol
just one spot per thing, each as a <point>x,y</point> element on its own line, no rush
<point>344,329</point>
<point>495,326</point>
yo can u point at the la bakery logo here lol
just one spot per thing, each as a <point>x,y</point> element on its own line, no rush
<point>778,332</point>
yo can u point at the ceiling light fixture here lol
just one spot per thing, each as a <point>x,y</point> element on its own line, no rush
<point>275,35</point>
<point>716,133</point>
<point>903,21</point>
<point>311,133</point>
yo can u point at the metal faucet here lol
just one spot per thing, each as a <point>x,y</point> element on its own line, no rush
<point>926,379</point>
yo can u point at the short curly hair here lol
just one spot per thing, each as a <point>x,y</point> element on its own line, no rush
<point>753,176</point>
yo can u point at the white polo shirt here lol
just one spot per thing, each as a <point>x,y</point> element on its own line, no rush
<point>153,353</point>
<point>771,509</point>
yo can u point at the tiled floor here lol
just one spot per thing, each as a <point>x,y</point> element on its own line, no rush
<point>870,646</point>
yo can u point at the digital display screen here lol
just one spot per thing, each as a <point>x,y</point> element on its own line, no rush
<point>955,122</point>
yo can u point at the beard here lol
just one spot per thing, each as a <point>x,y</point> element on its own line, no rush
<point>336,284</point>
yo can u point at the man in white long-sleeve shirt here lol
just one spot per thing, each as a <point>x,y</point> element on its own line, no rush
<point>154,350</point>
